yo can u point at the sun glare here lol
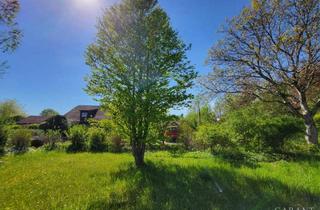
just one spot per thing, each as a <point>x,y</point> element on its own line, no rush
<point>87,4</point>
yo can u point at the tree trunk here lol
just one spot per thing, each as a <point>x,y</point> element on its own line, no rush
<point>311,129</point>
<point>138,153</point>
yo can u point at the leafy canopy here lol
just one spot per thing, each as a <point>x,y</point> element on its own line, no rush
<point>139,65</point>
<point>10,35</point>
<point>49,112</point>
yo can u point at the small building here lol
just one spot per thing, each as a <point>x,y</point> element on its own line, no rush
<point>172,131</point>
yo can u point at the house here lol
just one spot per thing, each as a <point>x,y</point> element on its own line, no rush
<point>172,130</point>
<point>80,114</point>
<point>33,120</point>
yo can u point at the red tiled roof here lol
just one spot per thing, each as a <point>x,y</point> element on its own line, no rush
<point>32,120</point>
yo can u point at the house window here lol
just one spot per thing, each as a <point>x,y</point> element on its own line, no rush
<point>84,114</point>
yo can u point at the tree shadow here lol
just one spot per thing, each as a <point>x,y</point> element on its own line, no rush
<point>300,156</point>
<point>170,186</point>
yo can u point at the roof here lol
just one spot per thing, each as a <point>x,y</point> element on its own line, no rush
<point>74,114</point>
<point>32,120</point>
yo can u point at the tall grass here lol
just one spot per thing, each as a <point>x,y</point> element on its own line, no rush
<point>54,180</point>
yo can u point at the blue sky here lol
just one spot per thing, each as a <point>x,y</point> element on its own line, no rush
<point>47,70</point>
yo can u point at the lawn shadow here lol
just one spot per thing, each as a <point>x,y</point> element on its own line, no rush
<point>159,186</point>
<point>300,156</point>
<point>237,159</point>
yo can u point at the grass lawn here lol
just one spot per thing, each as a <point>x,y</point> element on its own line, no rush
<point>40,180</point>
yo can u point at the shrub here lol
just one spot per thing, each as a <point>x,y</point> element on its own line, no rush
<point>34,126</point>
<point>185,134</point>
<point>62,146</point>
<point>174,148</point>
<point>273,132</point>
<point>78,136</point>
<point>3,138</point>
<point>116,144</point>
<point>256,130</point>
<point>211,136</point>
<point>20,140</point>
<point>58,122</point>
<point>317,119</point>
<point>97,140</point>
<point>37,142</point>
<point>106,125</point>
<point>51,139</point>
<point>38,137</point>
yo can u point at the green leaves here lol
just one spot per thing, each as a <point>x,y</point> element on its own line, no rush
<point>139,66</point>
<point>10,35</point>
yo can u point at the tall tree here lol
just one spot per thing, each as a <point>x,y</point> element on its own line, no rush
<point>272,51</point>
<point>10,109</point>
<point>10,35</point>
<point>139,68</point>
<point>49,112</point>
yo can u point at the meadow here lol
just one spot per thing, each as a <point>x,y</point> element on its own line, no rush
<point>194,180</point>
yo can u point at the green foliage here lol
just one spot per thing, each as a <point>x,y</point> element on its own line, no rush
<point>20,140</point>
<point>317,119</point>
<point>254,57</point>
<point>52,137</point>
<point>10,111</point>
<point>10,35</point>
<point>78,136</point>
<point>107,125</point>
<point>211,136</point>
<point>255,129</point>
<point>60,146</point>
<point>34,126</point>
<point>200,115</point>
<point>49,112</point>
<point>185,134</point>
<point>138,81</point>
<point>175,149</point>
<point>3,138</point>
<point>97,140</point>
<point>57,122</point>
<point>116,144</point>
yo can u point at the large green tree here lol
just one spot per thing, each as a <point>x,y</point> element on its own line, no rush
<point>139,68</point>
<point>49,112</point>
<point>272,51</point>
<point>9,110</point>
<point>10,35</point>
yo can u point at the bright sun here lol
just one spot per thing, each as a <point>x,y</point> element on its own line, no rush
<point>86,3</point>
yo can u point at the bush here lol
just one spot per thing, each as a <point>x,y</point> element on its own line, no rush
<point>78,136</point>
<point>116,144</point>
<point>62,146</point>
<point>20,140</point>
<point>185,134</point>
<point>51,139</point>
<point>174,148</point>
<point>97,140</point>
<point>34,127</point>
<point>211,136</point>
<point>274,131</point>
<point>37,142</point>
<point>317,119</point>
<point>256,130</point>
<point>3,138</point>
<point>58,122</point>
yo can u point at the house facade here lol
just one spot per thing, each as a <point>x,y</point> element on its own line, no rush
<point>78,115</point>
